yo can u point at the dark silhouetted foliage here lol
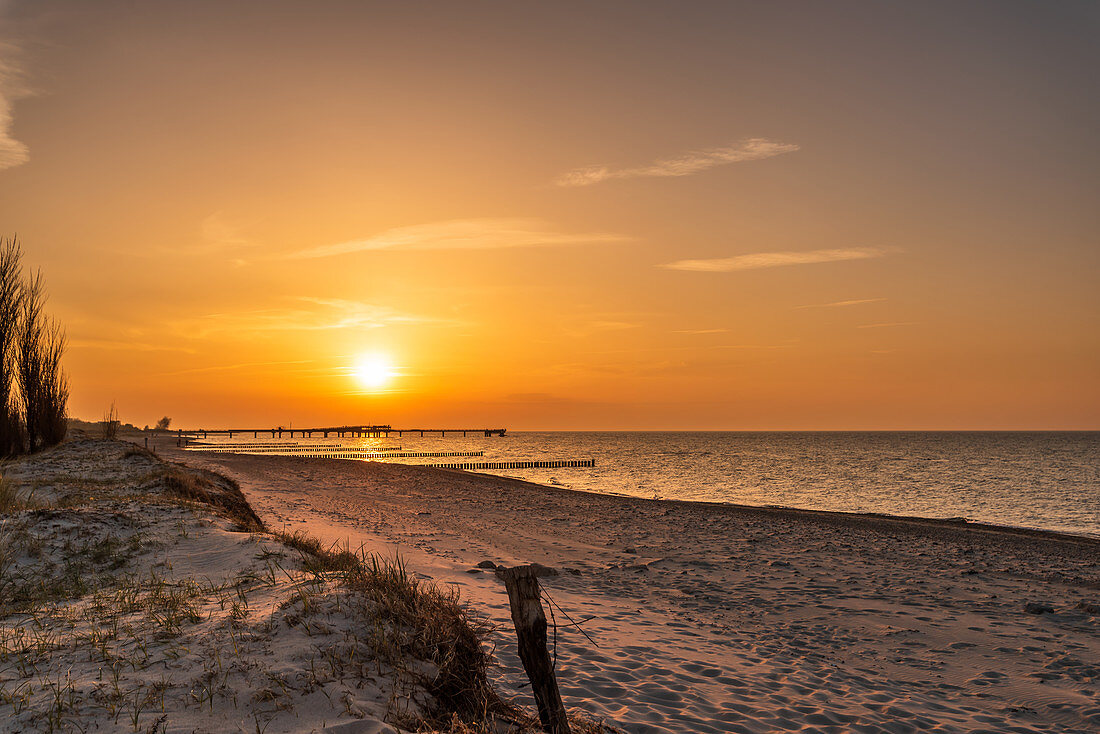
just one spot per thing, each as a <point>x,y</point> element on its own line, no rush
<point>34,390</point>
<point>11,292</point>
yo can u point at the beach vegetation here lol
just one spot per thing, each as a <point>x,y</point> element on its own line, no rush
<point>215,491</point>
<point>110,423</point>
<point>11,292</point>
<point>11,498</point>
<point>34,389</point>
<point>406,619</point>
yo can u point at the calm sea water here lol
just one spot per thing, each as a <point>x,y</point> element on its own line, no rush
<point>1048,480</point>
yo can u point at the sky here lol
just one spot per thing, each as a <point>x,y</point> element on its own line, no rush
<point>569,215</point>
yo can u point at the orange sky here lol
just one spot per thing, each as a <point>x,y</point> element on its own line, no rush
<point>563,215</point>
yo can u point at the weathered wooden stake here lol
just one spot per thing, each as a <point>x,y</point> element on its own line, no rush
<point>522,583</point>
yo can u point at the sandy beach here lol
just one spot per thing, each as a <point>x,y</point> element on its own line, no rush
<point>710,618</point>
<point>138,595</point>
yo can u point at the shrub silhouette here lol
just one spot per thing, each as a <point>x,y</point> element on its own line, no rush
<point>11,292</point>
<point>34,390</point>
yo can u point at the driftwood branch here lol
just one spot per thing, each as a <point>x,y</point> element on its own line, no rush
<point>522,583</point>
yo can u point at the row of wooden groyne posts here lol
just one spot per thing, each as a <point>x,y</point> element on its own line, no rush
<point>314,453</point>
<point>555,464</point>
<point>193,441</point>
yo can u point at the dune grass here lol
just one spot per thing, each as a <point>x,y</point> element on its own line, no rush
<point>10,496</point>
<point>412,620</point>
<point>221,494</point>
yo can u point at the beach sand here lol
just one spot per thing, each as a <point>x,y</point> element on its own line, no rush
<point>138,596</point>
<point>713,618</point>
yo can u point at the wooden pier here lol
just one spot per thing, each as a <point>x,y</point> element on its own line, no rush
<point>363,431</point>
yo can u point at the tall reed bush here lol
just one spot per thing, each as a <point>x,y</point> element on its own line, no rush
<point>34,390</point>
<point>11,307</point>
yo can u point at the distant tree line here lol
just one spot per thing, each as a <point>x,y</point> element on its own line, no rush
<point>34,390</point>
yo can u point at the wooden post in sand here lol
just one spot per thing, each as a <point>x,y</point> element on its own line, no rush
<point>522,583</point>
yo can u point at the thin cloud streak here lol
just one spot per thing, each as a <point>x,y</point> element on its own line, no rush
<point>12,151</point>
<point>125,346</point>
<point>758,260</point>
<point>887,325</point>
<point>700,331</point>
<point>326,314</point>
<point>461,234</point>
<point>839,304</point>
<point>218,231</point>
<point>232,367</point>
<point>686,164</point>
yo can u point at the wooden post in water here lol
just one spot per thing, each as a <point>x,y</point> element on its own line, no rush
<point>522,583</point>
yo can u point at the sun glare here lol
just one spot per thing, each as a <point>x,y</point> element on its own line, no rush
<point>373,371</point>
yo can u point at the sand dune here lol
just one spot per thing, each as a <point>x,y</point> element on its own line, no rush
<point>140,596</point>
<point>727,619</point>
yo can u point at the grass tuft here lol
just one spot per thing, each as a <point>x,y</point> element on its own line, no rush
<point>416,621</point>
<point>316,557</point>
<point>221,493</point>
<point>429,623</point>
<point>11,497</point>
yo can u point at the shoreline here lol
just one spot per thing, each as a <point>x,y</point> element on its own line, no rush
<point>726,618</point>
<point>988,481</point>
<point>840,515</point>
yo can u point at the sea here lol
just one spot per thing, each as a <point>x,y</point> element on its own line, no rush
<point>1041,480</point>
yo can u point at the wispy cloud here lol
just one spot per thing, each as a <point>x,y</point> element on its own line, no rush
<point>612,325</point>
<point>839,304</point>
<point>234,367</point>
<point>124,346</point>
<point>219,231</point>
<point>888,325</point>
<point>316,314</point>
<point>462,234</point>
<point>542,398</point>
<point>12,151</point>
<point>685,164</point>
<point>759,260</point>
<point>700,331</point>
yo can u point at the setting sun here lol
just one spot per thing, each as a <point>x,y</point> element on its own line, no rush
<point>373,371</point>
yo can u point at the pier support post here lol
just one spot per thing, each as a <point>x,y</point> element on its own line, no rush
<point>522,583</point>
